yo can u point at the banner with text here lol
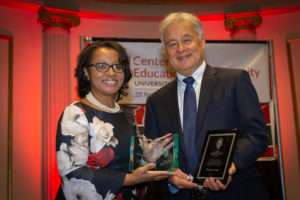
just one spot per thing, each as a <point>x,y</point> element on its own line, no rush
<point>151,70</point>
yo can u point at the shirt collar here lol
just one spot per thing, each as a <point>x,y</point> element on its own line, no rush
<point>197,75</point>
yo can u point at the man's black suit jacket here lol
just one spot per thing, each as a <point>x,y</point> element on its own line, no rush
<point>227,100</point>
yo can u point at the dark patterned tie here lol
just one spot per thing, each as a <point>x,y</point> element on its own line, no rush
<point>189,123</point>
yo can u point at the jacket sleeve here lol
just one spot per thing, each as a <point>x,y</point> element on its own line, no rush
<point>150,129</point>
<point>253,139</point>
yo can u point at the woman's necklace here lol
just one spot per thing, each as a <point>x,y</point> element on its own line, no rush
<point>94,101</point>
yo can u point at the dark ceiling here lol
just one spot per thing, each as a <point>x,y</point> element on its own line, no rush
<point>156,8</point>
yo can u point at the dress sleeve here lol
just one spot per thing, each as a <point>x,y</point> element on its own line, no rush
<point>79,180</point>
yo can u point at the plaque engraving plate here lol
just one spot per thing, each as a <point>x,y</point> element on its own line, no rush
<point>216,155</point>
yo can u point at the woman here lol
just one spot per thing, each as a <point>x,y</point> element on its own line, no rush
<point>93,134</point>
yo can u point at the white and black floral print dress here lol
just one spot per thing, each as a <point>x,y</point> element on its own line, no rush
<point>92,152</point>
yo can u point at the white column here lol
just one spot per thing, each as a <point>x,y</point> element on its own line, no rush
<point>56,86</point>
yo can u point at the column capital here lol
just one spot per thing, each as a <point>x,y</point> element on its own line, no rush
<point>57,18</point>
<point>242,22</point>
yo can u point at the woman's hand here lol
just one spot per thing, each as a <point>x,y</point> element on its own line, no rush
<point>156,148</point>
<point>143,174</point>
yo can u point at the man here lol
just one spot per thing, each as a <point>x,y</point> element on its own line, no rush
<point>220,99</point>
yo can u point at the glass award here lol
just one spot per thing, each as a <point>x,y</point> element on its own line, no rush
<point>216,155</point>
<point>164,157</point>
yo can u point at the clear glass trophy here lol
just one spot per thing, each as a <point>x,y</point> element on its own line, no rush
<point>144,151</point>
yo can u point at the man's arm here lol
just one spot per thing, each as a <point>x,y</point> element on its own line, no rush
<point>150,129</point>
<point>253,139</point>
<point>179,179</point>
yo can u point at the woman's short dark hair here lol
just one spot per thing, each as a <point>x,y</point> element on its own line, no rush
<point>84,59</point>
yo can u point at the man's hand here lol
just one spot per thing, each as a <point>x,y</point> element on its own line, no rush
<point>217,185</point>
<point>181,180</point>
<point>143,174</point>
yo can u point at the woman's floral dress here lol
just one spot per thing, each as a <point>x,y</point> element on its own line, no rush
<point>92,152</point>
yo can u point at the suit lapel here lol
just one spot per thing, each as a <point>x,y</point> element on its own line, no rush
<point>207,88</point>
<point>173,110</point>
